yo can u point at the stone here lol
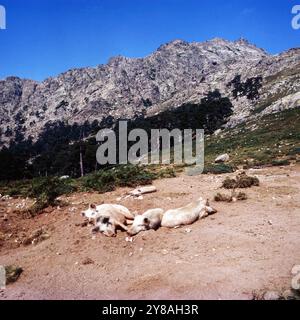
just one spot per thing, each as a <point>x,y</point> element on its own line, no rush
<point>289,295</point>
<point>222,158</point>
<point>142,190</point>
<point>87,261</point>
<point>271,295</point>
<point>12,273</point>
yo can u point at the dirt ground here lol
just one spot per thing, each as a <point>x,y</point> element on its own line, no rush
<point>249,246</point>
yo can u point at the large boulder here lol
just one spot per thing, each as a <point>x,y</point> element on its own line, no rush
<point>222,158</point>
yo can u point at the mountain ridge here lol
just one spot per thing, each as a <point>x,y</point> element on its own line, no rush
<point>178,72</point>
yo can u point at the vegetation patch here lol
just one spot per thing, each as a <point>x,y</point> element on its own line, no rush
<point>220,197</point>
<point>218,169</point>
<point>120,176</point>
<point>250,88</point>
<point>258,142</point>
<point>12,273</point>
<point>242,181</point>
<point>280,163</point>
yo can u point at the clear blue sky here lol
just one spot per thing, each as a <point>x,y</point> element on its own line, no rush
<point>47,37</point>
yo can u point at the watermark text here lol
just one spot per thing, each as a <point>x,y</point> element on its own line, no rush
<point>2,18</point>
<point>155,146</point>
<point>296,18</point>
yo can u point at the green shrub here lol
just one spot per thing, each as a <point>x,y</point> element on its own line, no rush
<point>279,163</point>
<point>15,188</point>
<point>46,191</point>
<point>294,151</point>
<point>166,173</point>
<point>218,169</point>
<point>120,176</point>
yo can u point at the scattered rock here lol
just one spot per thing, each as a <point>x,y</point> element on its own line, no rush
<point>222,158</point>
<point>217,132</point>
<point>87,261</point>
<point>271,295</point>
<point>289,295</point>
<point>296,270</point>
<point>64,177</point>
<point>143,190</point>
<point>242,196</point>
<point>36,237</point>
<point>12,273</point>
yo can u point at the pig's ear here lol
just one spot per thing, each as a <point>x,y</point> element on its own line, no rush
<point>92,206</point>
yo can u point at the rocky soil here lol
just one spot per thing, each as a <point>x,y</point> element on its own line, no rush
<point>246,251</point>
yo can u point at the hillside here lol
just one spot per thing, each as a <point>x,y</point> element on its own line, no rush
<point>177,73</point>
<point>213,85</point>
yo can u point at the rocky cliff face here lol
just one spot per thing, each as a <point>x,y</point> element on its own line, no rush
<point>177,73</point>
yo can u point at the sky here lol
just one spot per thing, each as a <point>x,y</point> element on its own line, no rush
<point>46,37</point>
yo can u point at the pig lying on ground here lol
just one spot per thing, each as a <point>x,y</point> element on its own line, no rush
<point>94,212</point>
<point>155,218</point>
<point>187,215</point>
<point>151,219</point>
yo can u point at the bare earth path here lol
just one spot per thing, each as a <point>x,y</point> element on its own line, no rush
<point>247,246</point>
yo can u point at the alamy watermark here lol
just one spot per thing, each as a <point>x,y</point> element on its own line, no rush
<point>296,18</point>
<point>2,277</point>
<point>162,146</point>
<point>2,18</point>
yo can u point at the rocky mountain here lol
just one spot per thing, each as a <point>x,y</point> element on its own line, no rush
<point>255,82</point>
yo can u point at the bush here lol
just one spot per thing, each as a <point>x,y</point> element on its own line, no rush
<point>279,163</point>
<point>219,197</point>
<point>121,176</point>
<point>242,181</point>
<point>218,169</point>
<point>229,183</point>
<point>166,173</point>
<point>242,196</point>
<point>46,191</point>
<point>295,151</point>
<point>15,188</point>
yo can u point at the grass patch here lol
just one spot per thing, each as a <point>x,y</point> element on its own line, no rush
<point>259,142</point>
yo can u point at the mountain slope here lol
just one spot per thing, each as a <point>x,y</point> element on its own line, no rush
<point>177,73</point>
